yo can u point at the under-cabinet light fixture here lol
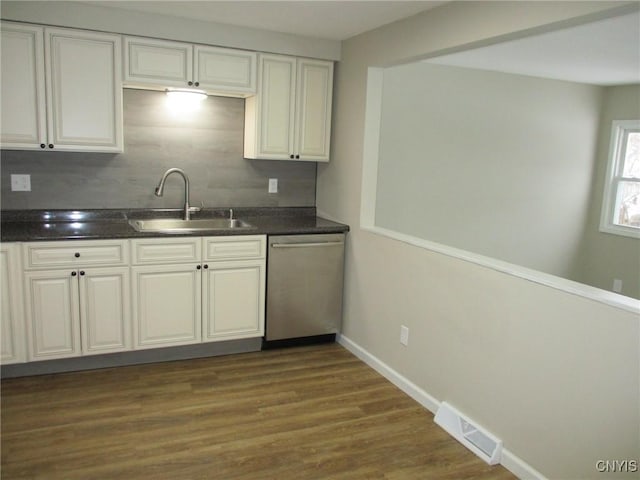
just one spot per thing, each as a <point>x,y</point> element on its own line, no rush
<point>187,94</point>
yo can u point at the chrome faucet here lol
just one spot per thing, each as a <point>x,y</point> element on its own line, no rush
<point>188,210</point>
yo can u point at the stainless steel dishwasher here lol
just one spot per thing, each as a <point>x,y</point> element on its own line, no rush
<point>304,288</point>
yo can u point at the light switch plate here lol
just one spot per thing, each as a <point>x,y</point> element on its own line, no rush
<point>273,185</point>
<point>20,183</point>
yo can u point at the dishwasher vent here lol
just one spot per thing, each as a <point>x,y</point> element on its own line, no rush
<point>472,436</point>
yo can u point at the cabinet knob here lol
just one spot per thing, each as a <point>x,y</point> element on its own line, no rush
<point>42,145</point>
<point>297,156</point>
<point>291,156</point>
<point>51,145</point>
<point>197,84</point>
<point>77,254</point>
<point>190,83</point>
<point>73,274</point>
<point>82,273</point>
<point>206,266</point>
<point>199,267</point>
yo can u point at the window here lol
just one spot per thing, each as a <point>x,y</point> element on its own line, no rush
<point>621,204</point>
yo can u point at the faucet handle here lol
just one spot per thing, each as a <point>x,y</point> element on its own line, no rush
<point>197,209</point>
<point>231,214</point>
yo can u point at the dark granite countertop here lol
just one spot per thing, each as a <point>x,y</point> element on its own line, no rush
<point>39,225</point>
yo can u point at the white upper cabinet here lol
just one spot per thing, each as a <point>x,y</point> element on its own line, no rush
<point>270,116</point>
<point>85,88</point>
<point>23,98</point>
<point>61,89</point>
<point>225,70</point>
<point>290,117</point>
<point>314,94</point>
<point>159,64</point>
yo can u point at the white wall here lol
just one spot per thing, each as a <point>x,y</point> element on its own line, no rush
<point>556,376</point>
<point>606,256</point>
<point>493,163</point>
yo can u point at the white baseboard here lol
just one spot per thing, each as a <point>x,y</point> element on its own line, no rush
<point>404,384</point>
<point>519,467</point>
<point>511,462</point>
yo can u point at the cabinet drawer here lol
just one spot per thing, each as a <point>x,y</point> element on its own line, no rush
<point>165,250</point>
<point>240,247</point>
<point>75,253</point>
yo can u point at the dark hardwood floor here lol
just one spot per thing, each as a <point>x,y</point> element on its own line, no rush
<point>301,413</point>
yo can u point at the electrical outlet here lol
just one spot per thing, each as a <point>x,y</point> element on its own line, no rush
<point>404,335</point>
<point>617,285</point>
<point>273,185</point>
<point>20,183</point>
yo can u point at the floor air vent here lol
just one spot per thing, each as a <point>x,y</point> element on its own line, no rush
<point>479,441</point>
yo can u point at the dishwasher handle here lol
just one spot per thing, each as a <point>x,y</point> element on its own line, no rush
<point>306,244</point>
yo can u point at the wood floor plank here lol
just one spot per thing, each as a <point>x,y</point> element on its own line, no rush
<point>303,413</point>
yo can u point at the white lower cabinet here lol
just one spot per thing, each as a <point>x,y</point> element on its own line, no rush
<point>166,305</point>
<point>12,333</point>
<point>53,314</point>
<point>233,302</point>
<point>84,297</point>
<point>73,310</point>
<point>191,290</point>
<point>105,318</point>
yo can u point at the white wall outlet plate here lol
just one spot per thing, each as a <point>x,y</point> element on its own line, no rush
<point>404,335</point>
<point>273,185</point>
<point>617,285</point>
<point>20,183</point>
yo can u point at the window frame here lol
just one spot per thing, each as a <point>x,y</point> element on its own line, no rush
<point>620,130</point>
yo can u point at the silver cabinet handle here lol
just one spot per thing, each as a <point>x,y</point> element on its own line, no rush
<point>301,245</point>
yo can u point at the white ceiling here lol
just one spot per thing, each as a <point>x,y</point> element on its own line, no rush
<point>332,20</point>
<point>606,52</point>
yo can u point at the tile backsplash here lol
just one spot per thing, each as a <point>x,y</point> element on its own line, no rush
<point>207,144</point>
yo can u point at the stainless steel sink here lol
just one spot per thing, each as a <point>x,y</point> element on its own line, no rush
<point>175,225</point>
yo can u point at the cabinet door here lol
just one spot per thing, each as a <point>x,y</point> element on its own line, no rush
<point>314,94</point>
<point>105,310</point>
<point>12,335</point>
<point>158,63</point>
<point>233,300</point>
<point>53,317</point>
<point>84,86</point>
<point>275,109</point>
<point>166,305</point>
<point>225,70</point>
<point>22,87</point>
